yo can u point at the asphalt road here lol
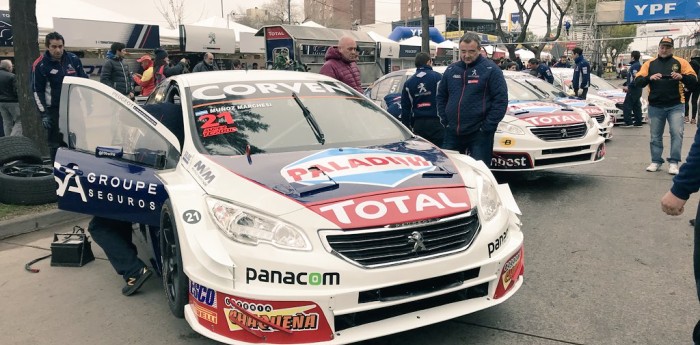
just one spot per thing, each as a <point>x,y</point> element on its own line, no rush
<point>603,265</point>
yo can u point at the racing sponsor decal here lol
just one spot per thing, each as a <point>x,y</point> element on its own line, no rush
<point>202,294</point>
<point>115,186</point>
<point>396,207</point>
<point>592,110</point>
<point>292,278</point>
<point>492,247</point>
<point>512,269</point>
<point>205,314</point>
<point>186,156</point>
<point>216,124</point>
<point>203,173</point>
<point>553,119</point>
<point>507,141</point>
<point>191,216</point>
<point>511,161</point>
<point>360,166</point>
<point>224,91</point>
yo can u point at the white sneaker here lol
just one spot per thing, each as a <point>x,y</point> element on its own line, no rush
<point>653,167</point>
<point>673,169</point>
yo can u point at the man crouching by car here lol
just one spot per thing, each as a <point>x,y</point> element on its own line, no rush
<point>472,99</point>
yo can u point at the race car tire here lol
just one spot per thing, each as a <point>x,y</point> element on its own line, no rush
<point>19,148</point>
<point>27,184</point>
<point>175,281</point>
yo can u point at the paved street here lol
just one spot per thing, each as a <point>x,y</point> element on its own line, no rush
<point>604,265</point>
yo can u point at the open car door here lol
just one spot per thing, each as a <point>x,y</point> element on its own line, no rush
<point>113,149</point>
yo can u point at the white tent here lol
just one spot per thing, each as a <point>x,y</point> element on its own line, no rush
<point>311,23</point>
<point>218,22</point>
<point>524,54</point>
<point>448,44</point>
<point>418,41</point>
<point>490,50</point>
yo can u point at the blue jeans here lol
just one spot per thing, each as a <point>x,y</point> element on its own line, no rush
<point>657,120</point>
<point>114,236</point>
<point>478,145</point>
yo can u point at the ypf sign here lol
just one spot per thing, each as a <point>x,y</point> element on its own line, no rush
<point>656,10</point>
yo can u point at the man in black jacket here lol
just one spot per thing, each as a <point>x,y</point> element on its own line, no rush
<point>116,73</point>
<point>207,64</point>
<point>9,108</point>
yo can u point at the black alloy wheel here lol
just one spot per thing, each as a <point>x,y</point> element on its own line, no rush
<point>175,281</point>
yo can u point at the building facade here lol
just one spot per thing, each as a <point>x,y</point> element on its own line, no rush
<point>410,9</point>
<point>340,14</point>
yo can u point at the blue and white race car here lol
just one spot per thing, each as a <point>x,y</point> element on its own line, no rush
<point>286,208</point>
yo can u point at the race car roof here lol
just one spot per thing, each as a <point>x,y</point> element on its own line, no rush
<point>208,78</point>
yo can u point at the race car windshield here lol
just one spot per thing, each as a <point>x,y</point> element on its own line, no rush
<point>600,84</point>
<point>548,90</point>
<point>518,92</point>
<point>265,117</point>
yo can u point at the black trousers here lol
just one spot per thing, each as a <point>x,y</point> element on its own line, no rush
<point>114,237</point>
<point>691,98</point>
<point>633,105</point>
<point>53,135</point>
<point>430,129</point>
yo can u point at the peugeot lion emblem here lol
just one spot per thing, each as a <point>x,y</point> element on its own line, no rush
<point>417,239</point>
<point>564,133</point>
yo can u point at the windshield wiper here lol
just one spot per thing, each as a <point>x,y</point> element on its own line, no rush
<point>542,92</point>
<point>310,120</point>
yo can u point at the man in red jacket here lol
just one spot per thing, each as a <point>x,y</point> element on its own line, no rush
<point>341,63</point>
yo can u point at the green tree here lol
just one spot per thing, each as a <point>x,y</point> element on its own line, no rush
<point>617,39</point>
<point>25,33</point>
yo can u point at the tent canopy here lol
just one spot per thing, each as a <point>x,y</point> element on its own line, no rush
<point>417,41</point>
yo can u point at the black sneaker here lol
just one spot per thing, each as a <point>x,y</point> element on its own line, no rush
<point>134,283</point>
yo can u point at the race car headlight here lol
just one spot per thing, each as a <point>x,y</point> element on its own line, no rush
<point>251,227</point>
<point>508,128</point>
<point>489,200</point>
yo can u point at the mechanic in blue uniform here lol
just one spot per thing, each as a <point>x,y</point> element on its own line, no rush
<point>672,203</point>
<point>542,71</point>
<point>115,236</point>
<point>418,106</point>
<point>582,74</point>
<point>633,102</point>
<point>472,99</point>
<point>48,72</point>
<point>393,104</point>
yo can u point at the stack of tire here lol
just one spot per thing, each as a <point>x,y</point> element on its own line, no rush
<point>25,179</point>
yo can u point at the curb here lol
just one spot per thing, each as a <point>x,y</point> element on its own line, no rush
<point>33,222</point>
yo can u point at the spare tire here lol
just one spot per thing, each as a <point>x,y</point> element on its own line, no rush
<point>19,148</point>
<point>27,184</point>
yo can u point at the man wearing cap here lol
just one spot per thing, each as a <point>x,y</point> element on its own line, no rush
<point>666,76</point>
<point>147,81</point>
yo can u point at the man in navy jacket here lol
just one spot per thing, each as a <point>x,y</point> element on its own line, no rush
<point>685,183</point>
<point>542,70</point>
<point>472,99</point>
<point>633,102</point>
<point>47,79</point>
<point>582,74</point>
<point>418,106</point>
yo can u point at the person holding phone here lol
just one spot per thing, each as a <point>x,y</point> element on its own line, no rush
<point>666,76</point>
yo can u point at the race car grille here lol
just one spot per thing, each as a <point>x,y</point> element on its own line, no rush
<point>560,132</point>
<point>600,118</point>
<point>362,318</point>
<point>417,288</point>
<point>566,150</point>
<point>372,248</point>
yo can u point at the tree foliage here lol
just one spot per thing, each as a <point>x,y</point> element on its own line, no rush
<point>173,11</point>
<point>26,46</point>
<point>277,13</point>
<point>553,10</point>
<point>613,47</point>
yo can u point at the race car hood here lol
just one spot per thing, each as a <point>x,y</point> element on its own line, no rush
<point>573,102</point>
<point>617,96</point>
<point>542,114</point>
<point>319,177</point>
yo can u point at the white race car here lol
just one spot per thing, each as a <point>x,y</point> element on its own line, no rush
<point>600,93</point>
<point>286,208</point>
<point>535,134</point>
<point>605,121</point>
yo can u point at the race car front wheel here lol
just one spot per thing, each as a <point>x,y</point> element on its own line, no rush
<point>174,278</point>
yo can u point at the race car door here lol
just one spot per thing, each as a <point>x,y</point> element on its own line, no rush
<point>113,151</point>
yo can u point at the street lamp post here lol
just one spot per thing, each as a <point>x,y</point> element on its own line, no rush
<point>222,8</point>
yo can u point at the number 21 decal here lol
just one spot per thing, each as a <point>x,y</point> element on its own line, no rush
<point>191,217</point>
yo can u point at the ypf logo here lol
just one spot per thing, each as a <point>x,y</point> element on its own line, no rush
<point>360,166</point>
